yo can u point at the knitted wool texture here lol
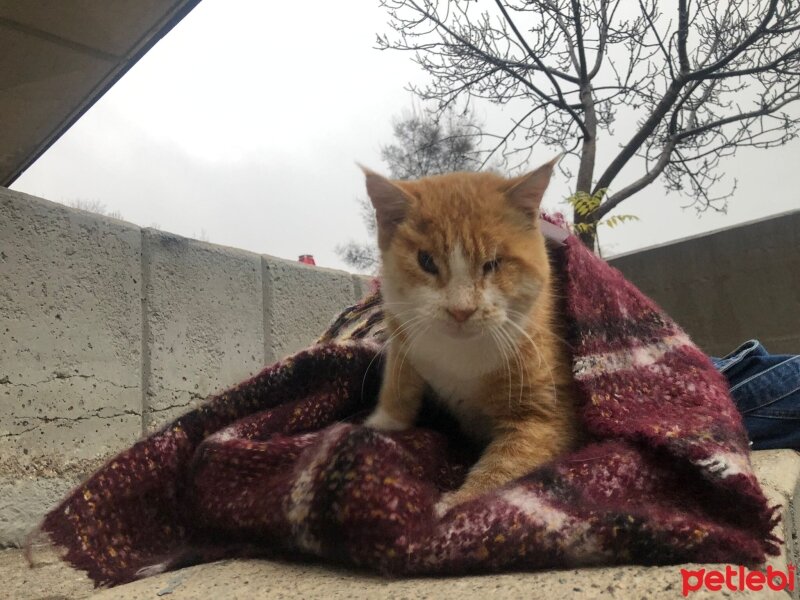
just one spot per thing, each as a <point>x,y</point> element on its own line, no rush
<point>278,466</point>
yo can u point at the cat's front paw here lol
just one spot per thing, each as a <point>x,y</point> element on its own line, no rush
<point>383,421</point>
<point>448,501</point>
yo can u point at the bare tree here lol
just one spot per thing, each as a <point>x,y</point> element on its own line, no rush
<point>702,77</point>
<point>95,206</point>
<point>425,144</point>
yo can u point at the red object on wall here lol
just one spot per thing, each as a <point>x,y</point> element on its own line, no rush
<point>307,259</point>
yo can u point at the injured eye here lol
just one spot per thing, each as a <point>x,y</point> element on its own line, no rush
<point>426,263</point>
<point>491,265</point>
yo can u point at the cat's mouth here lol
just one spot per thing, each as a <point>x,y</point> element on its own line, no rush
<point>462,331</point>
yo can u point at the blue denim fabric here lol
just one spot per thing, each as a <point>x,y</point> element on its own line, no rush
<point>766,389</point>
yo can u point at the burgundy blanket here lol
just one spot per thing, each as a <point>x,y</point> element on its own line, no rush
<point>279,465</point>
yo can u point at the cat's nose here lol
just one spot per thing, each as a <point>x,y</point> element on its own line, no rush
<point>461,314</point>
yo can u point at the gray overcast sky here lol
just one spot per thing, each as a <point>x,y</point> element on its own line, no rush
<point>245,122</point>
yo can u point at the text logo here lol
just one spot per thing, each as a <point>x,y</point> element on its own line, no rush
<point>738,579</point>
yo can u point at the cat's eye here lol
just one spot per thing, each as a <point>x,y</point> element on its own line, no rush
<point>491,266</point>
<point>426,263</point>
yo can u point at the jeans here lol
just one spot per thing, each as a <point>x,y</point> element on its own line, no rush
<point>766,389</point>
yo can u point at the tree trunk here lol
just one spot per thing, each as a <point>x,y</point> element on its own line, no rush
<point>589,237</point>
<point>586,169</point>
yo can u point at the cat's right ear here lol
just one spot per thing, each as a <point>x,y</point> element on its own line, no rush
<point>526,191</point>
<point>389,200</point>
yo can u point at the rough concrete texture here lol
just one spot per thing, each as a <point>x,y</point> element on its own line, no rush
<point>108,331</point>
<point>779,472</point>
<point>70,323</point>
<point>50,579</point>
<point>203,322</point>
<point>728,286</point>
<point>298,298</point>
<point>23,500</point>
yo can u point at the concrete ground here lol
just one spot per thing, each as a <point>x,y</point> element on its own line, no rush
<point>779,472</point>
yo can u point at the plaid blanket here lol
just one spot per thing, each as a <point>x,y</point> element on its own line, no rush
<point>279,465</point>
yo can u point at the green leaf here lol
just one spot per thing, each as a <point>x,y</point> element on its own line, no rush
<point>615,220</point>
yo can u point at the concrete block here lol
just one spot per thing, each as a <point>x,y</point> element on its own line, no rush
<point>23,502</point>
<point>50,578</point>
<point>778,472</point>
<point>203,324</point>
<point>70,322</point>
<point>728,286</point>
<point>301,302</point>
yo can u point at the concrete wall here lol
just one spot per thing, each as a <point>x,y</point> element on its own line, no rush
<point>728,286</point>
<point>108,331</point>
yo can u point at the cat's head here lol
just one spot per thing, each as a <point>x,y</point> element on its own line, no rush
<point>462,253</point>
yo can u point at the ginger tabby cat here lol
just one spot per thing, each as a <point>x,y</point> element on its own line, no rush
<point>470,305</point>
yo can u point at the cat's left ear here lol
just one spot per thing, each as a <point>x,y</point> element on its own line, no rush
<point>526,191</point>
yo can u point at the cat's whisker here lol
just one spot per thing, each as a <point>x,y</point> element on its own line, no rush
<point>503,337</point>
<point>525,334</point>
<point>510,347</point>
<point>501,347</point>
<point>538,328</point>
<point>408,327</point>
<point>521,368</point>
<point>414,336</point>
<point>542,361</point>
<point>385,345</point>
<point>404,329</point>
<point>521,363</point>
<point>407,343</point>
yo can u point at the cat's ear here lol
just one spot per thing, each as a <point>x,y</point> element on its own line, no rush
<point>526,191</point>
<point>389,200</point>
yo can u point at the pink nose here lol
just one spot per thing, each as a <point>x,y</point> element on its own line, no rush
<point>461,314</point>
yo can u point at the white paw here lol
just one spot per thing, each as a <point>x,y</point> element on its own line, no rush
<point>382,421</point>
<point>445,503</point>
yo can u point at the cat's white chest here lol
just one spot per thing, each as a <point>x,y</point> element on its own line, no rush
<point>456,371</point>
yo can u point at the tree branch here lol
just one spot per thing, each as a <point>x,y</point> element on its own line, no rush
<point>540,64</point>
<point>495,62</point>
<point>741,47</point>
<point>603,38</point>
<point>649,177</point>
<point>651,25</point>
<point>683,34</point>
<point>576,18</point>
<point>682,77</point>
<point>549,71</point>
<point>504,139</point>
<point>734,118</point>
<point>648,127</point>
<point>752,70</point>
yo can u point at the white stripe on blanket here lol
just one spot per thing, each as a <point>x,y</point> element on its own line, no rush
<point>593,365</point>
